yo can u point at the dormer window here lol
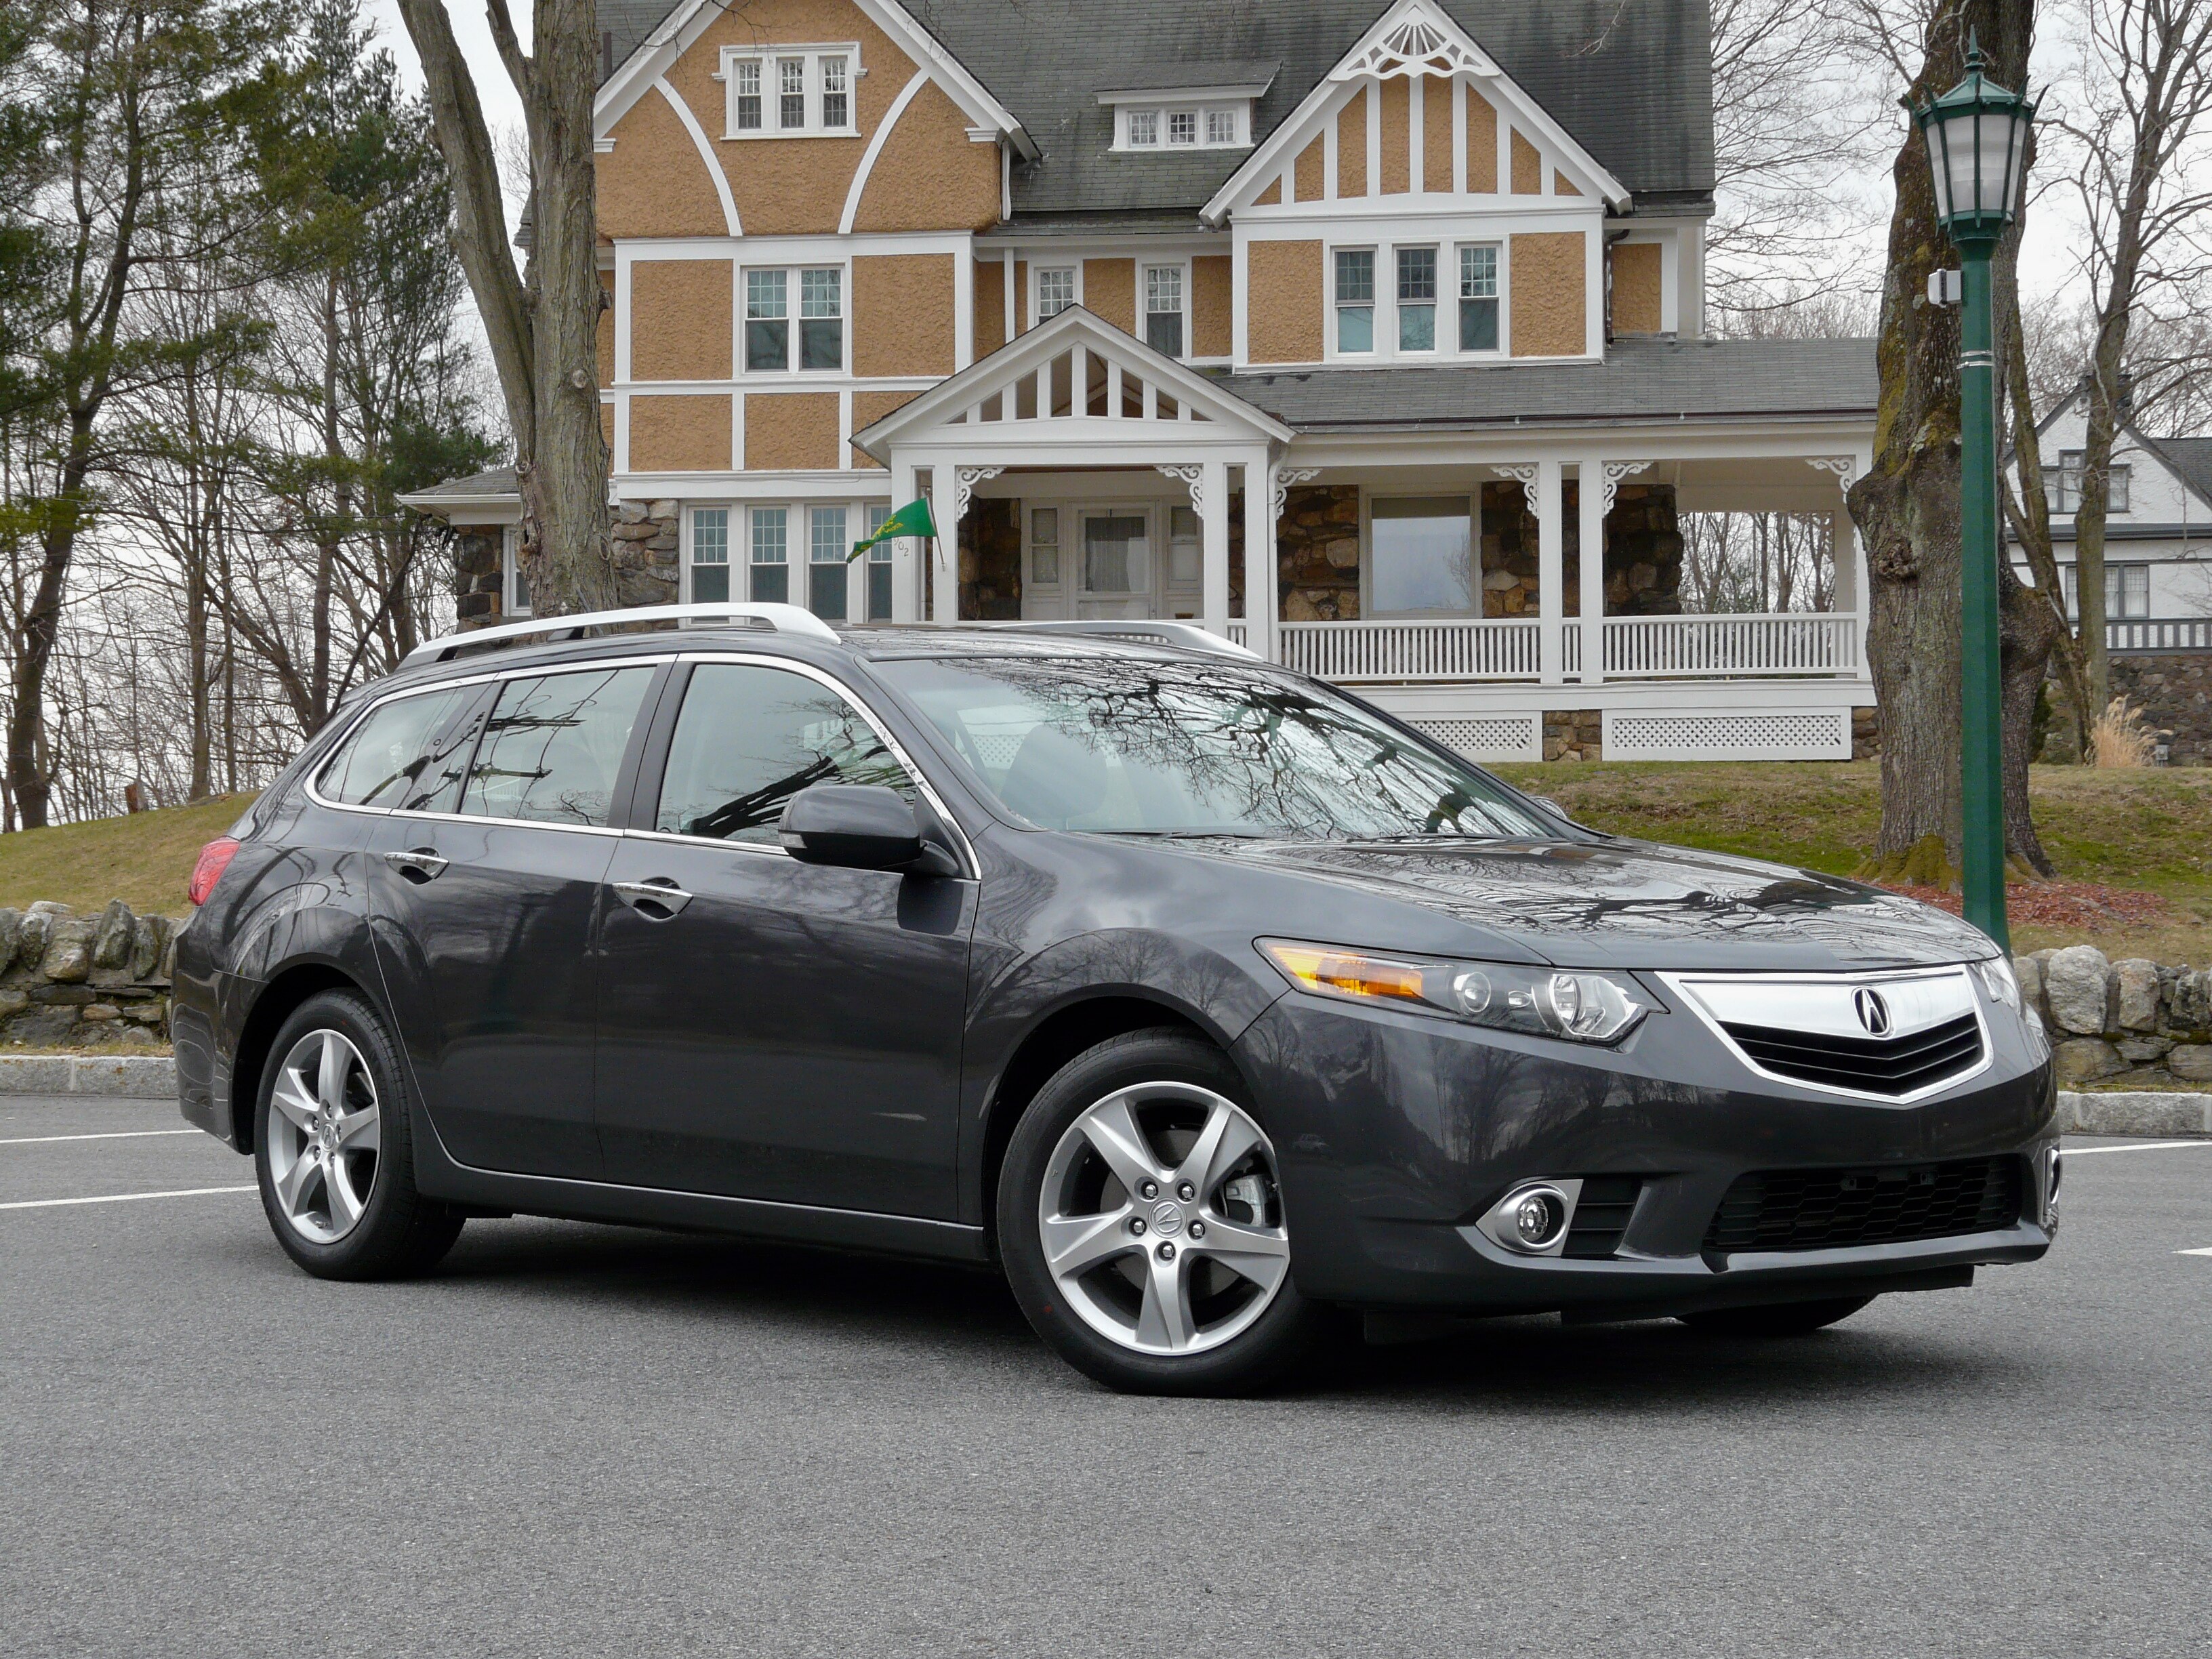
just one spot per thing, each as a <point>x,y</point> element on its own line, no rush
<point>791,92</point>
<point>1186,126</point>
<point>1144,128</point>
<point>1188,106</point>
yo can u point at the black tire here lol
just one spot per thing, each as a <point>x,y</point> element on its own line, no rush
<point>1260,1354</point>
<point>400,1233</point>
<point>1776,1319</point>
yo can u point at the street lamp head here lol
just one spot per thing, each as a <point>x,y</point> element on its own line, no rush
<point>1976,137</point>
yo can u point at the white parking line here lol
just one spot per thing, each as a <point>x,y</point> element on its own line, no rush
<point>105,1134</point>
<point>120,1197</point>
<point>2140,1147</point>
<point>2204,1252</point>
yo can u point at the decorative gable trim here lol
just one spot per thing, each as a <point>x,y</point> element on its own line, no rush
<point>690,19</point>
<point>1199,399</point>
<point>1412,38</point>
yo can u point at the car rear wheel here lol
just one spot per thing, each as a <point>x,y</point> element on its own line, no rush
<point>1141,1218</point>
<point>333,1151</point>
<point>1777,1319</point>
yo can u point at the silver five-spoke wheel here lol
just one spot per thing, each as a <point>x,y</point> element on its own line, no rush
<point>324,1135</point>
<point>1160,1219</point>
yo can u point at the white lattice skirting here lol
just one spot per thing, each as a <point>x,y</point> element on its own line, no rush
<point>1721,734</point>
<point>1488,737</point>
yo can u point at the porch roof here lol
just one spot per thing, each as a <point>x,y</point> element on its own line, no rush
<point>1641,381</point>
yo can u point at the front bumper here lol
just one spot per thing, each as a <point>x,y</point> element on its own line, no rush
<point>1395,1132</point>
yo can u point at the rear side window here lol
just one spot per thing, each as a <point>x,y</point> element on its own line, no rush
<point>748,738</point>
<point>554,745</point>
<point>392,752</point>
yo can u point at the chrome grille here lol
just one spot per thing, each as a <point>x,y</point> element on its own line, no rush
<point>1893,1036</point>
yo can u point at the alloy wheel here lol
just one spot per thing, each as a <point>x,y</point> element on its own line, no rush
<point>1161,1220</point>
<point>324,1132</point>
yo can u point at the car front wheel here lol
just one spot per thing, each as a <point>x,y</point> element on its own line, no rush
<point>333,1151</point>
<point>1142,1220</point>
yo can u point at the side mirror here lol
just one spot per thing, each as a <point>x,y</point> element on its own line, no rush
<point>856,826</point>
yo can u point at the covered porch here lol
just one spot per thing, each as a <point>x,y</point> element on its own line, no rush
<point>1439,571</point>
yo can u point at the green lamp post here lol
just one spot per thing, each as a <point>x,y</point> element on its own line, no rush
<point>1977,137</point>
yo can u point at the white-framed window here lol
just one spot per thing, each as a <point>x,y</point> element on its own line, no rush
<point>2062,484</point>
<point>2127,591</point>
<point>1416,299</point>
<point>1186,563</point>
<point>1163,309</point>
<point>1421,557</point>
<point>879,564</point>
<point>772,345</point>
<point>1044,546</point>
<point>1183,125</point>
<point>1478,297</point>
<point>514,585</point>
<point>1355,300</point>
<point>768,578</point>
<point>1055,290</point>
<point>709,563</point>
<point>791,92</point>
<point>827,544</point>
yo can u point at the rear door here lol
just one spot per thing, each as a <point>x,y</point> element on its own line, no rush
<point>770,1028</point>
<point>486,888</point>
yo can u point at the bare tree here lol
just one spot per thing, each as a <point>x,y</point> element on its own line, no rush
<point>2139,125</point>
<point>541,322</point>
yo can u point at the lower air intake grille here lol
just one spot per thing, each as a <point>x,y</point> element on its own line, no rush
<point>1602,1216</point>
<point>1837,1209</point>
<point>1893,1067</point>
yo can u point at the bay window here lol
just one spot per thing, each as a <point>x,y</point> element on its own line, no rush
<point>710,554</point>
<point>826,548</point>
<point>771,562</point>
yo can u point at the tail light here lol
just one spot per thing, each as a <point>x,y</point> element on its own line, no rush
<point>215,858</point>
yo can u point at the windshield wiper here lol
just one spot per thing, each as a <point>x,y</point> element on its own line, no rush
<point>1197,833</point>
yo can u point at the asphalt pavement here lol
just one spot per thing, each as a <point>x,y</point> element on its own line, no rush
<point>577,1439</point>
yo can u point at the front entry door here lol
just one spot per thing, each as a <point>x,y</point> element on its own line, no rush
<point>1115,567</point>
<point>769,1028</point>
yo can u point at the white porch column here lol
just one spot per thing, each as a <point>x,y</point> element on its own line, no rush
<point>906,561</point>
<point>1550,574</point>
<point>1259,515</point>
<point>1213,489</point>
<point>1593,497</point>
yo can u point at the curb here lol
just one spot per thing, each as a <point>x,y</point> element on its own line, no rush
<point>2134,1114</point>
<point>119,1077</point>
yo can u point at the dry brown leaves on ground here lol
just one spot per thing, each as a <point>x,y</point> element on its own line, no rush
<point>2083,905</point>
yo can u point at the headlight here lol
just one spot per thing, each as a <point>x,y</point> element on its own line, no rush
<point>1997,979</point>
<point>1578,1003</point>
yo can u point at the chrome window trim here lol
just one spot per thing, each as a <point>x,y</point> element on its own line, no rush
<point>1683,984</point>
<point>454,683</point>
<point>972,866</point>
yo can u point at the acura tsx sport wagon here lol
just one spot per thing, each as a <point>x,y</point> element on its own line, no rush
<point>1206,1002</point>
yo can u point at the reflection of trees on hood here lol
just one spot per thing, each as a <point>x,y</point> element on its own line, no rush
<point>1273,752</point>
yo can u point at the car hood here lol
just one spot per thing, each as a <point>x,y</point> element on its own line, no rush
<point>1636,904</point>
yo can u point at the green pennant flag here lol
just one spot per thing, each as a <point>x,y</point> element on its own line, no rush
<point>912,519</point>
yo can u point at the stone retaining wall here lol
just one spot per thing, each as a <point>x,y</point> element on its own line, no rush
<point>2131,1023</point>
<point>72,981</point>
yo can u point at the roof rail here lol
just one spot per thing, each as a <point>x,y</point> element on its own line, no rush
<point>783,618</point>
<point>1188,636</point>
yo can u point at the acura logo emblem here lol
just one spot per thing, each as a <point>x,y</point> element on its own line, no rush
<point>1872,1011</point>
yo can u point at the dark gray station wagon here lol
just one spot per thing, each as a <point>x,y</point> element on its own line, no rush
<point>1208,1002</point>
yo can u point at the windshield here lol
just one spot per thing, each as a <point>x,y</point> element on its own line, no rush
<point>1133,748</point>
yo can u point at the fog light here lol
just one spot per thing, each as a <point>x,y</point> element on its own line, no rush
<point>1538,1218</point>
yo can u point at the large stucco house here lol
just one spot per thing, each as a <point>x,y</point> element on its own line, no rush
<point>1352,332</point>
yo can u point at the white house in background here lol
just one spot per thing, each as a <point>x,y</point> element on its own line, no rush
<point>1353,330</point>
<point>2157,531</point>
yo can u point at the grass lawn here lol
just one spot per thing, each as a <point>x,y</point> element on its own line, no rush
<point>2141,831</point>
<point>144,860</point>
<point>2147,830</point>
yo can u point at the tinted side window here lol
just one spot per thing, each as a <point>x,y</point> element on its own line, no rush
<point>435,783</point>
<point>748,738</point>
<point>554,744</point>
<point>390,750</point>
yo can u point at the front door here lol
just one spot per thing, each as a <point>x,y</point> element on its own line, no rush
<point>484,897</point>
<point>769,1028</point>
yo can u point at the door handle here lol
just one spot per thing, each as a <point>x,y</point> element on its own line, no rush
<point>418,860</point>
<point>658,893</point>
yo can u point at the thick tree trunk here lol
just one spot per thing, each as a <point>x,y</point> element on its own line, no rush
<point>543,330</point>
<point>1907,507</point>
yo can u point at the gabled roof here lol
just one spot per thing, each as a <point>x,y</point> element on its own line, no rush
<point>2190,459</point>
<point>1629,80</point>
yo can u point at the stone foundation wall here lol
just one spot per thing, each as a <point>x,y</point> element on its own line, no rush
<point>1574,734</point>
<point>477,597</point>
<point>72,981</point>
<point>1317,545</point>
<point>2131,1023</point>
<point>647,551</point>
<point>2174,692</point>
<point>1643,552</point>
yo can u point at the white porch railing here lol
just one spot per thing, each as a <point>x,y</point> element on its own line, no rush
<point>1456,650</point>
<point>2163,634</point>
<point>1801,642</point>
